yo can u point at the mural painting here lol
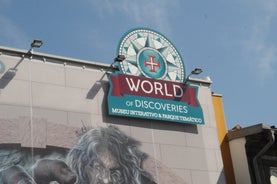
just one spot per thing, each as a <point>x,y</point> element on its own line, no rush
<point>101,156</point>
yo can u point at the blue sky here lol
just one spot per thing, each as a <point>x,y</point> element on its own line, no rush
<point>234,42</point>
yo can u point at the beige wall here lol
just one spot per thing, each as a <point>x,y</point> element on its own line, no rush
<point>50,98</point>
<point>239,159</point>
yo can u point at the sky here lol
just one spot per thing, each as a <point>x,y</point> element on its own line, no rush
<point>234,42</point>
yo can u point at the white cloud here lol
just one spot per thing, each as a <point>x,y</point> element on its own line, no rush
<point>266,61</point>
<point>263,52</point>
<point>11,35</point>
<point>155,13</point>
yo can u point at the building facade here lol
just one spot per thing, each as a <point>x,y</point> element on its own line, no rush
<point>55,108</point>
<point>254,153</point>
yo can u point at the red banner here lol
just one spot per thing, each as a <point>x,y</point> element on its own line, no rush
<point>142,86</point>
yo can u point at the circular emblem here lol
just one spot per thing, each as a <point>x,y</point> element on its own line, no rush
<point>151,63</point>
<point>150,54</point>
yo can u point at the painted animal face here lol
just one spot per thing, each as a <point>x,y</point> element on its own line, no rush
<point>105,169</point>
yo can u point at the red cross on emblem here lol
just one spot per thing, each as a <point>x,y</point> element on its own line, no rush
<point>152,63</point>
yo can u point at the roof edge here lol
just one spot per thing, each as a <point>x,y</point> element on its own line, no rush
<point>243,132</point>
<point>20,52</point>
<point>106,67</point>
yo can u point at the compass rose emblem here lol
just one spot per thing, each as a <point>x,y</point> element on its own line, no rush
<point>151,83</point>
<point>149,54</point>
<point>151,63</point>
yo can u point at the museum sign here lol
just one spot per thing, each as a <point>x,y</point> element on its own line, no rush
<point>151,82</point>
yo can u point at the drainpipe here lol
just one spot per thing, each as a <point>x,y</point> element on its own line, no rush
<point>263,151</point>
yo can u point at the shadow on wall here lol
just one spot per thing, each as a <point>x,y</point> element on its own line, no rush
<point>10,73</point>
<point>221,179</point>
<point>6,78</point>
<point>95,88</point>
<point>155,124</point>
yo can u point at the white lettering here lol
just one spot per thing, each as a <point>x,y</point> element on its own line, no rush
<point>155,88</point>
<point>143,87</point>
<point>165,89</point>
<point>158,87</point>
<point>177,91</point>
<point>144,104</point>
<point>132,86</point>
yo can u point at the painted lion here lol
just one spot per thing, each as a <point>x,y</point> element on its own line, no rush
<point>107,156</point>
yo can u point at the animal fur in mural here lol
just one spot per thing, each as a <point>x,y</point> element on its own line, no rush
<point>47,170</point>
<point>16,175</point>
<point>101,156</point>
<point>107,156</point>
<point>43,172</point>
